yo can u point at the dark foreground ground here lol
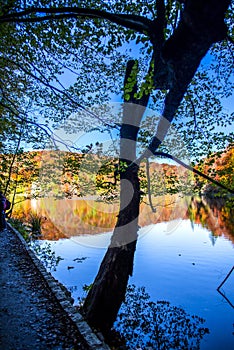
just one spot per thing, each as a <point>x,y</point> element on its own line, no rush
<point>30,316</point>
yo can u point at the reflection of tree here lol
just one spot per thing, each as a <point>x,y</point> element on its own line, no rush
<point>215,214</point>
<point>45,254</point>
<point>67,217</point>
<point>159,325</point>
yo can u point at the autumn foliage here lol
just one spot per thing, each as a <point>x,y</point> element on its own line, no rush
<point>220,167</point>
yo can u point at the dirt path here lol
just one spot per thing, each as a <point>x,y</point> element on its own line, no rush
<point>30,316</point>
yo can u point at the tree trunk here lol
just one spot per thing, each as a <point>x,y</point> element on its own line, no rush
<point>107,293</point>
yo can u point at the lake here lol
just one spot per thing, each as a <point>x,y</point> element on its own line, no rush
<point>184,252</point>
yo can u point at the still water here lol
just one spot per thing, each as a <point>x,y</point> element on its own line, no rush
<point>184,252</point>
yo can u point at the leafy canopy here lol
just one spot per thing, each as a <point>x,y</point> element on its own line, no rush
<point>62,57</point>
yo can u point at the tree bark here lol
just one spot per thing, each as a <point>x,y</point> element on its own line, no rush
<point>108,290</point>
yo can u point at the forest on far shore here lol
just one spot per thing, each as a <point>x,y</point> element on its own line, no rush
<point>37,174</point>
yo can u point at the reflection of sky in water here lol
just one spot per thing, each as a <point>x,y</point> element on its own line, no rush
<point>94,241</point>
<point>183,266</point>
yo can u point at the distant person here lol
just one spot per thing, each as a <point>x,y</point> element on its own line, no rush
<point>4,205</point>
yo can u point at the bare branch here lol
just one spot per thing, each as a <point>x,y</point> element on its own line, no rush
<point>4,96</point>
<point>16,113</point>
<point>225,279</point>
<point>47,130</point>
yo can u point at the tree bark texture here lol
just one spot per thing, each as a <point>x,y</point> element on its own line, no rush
<point>108,290</point>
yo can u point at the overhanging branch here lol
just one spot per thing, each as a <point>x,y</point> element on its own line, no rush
<point>195,171</point>
<point>135,22</point>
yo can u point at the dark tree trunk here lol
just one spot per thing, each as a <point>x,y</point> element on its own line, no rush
<point>108,290</point>
<point>107,293</point>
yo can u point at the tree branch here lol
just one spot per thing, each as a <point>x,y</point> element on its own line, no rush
<point>148,186</point>
<point>225,279</point>
<point>195,118</point>
<point>161,18</point>
<point>195,171</point>
<point>45,128</point>
<point>43,80</point>
<point>14,157</point>
<point>135,22</point>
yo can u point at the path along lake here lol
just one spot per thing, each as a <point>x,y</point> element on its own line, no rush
<point>184,252</point>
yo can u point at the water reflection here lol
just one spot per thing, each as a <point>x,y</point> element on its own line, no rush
<point>217,215</point>
<point>145,324</point>
<point>184,267</point>
<point>73,217</point>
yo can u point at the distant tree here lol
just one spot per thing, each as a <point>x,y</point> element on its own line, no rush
<point>219,166</point>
